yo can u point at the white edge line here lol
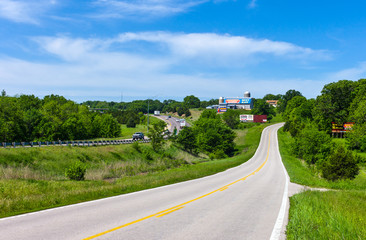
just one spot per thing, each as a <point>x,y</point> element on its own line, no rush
<point>276,233</point>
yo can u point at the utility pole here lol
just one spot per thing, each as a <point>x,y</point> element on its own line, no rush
<point>148,101</point>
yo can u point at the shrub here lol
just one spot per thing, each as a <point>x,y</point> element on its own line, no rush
<point>341,164</point>
<point>131,123</point>
<point>218,154</point>
<point>76,171</point>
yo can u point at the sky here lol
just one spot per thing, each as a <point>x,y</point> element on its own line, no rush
<point>125,50</point>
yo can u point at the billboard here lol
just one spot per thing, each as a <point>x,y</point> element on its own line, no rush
<point>246,118</point>
<point>348,126</point>
<point>238,100</point>
<point>221,109</point>
<point>345,127</point>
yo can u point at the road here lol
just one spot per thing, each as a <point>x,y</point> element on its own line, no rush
<point>245,202</point>
<point>172,123</point>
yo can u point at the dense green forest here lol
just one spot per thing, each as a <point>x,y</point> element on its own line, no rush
<point>309,121</point>
<point>28,118</point>
<point>153,105</point>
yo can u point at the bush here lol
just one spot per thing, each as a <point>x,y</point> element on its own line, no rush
<point>76,171</point>
<point>218,154</point>
<point>341,164</point>
<point>357,137</point>
<point>131,123</point>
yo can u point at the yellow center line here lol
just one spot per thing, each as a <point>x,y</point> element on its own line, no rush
<point>180,206</point>
<point>176,209</point>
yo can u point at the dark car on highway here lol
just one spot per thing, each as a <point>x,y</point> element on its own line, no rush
<point>137,136</point>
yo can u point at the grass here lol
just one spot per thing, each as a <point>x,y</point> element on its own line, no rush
<point>328,215</point>
<point>33,179</point>
<point>338,214</point>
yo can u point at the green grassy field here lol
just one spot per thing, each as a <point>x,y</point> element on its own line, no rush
<point>335,214</point>
<point>34,179</point>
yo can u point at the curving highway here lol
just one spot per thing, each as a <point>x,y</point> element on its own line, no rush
<point>245,202</point>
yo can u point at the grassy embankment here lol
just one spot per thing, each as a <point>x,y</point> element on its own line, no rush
<point>338,214</point>
<point>34,179</point>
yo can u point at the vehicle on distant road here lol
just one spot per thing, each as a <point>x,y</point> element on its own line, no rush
<point>182,123</point>
<point>157,113</point>
<point>138,136</point>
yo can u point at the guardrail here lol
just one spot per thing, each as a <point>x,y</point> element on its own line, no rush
<point>70,143</point>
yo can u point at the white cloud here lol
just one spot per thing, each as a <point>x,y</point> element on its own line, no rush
<point>97,67</point>
<point>144,8</point>
<point>24,11</point>
<point>355,73</point>
<point>215,45</point>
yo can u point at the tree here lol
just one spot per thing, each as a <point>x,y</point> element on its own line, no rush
<point>297,114</point>
<point>334,103</point>
<point>187,139</point>
<point>156,135</point>
<point>205,104</point>
<point>272,97</point>
<point>341,164</point>
<point>261,107</point>
<point>180,111</point>
<point>357,137</point>
<point>208,113</point>
<point>287,97</point>
<point>192,101</point>
<point>212,135</point>
<point>231,118</point>
<point>131,123</point>
<point>312,145</point>
<point>187,113</point>
<point>3,93</point>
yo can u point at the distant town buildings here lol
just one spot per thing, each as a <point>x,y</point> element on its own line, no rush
<point>273,103</point>
<point>225,103</point>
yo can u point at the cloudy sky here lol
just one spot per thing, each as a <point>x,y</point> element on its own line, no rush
<point>134,49</point>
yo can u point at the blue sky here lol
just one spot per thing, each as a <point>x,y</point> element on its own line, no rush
<point>102,49</point>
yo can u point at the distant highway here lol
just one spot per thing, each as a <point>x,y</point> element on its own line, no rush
<point>245,202</point>
<point>172,122</point>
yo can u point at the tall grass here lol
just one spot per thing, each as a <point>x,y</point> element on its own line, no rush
<point>328,215</point>
<point>34,179</point>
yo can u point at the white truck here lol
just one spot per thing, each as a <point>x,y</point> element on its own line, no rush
<point>182,123</point>
<point>156,113</point>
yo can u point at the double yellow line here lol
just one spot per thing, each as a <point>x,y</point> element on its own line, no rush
<point>182,205</point>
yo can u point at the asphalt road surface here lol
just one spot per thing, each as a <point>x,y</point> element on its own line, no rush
<point>246,202</point>
<point>172,123</point>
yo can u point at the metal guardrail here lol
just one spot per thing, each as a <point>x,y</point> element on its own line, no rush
<point>71,143</point>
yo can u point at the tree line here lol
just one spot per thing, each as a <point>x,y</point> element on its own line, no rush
<point>309,121</point>
<point>29,118</point>
<point>143,106</point>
